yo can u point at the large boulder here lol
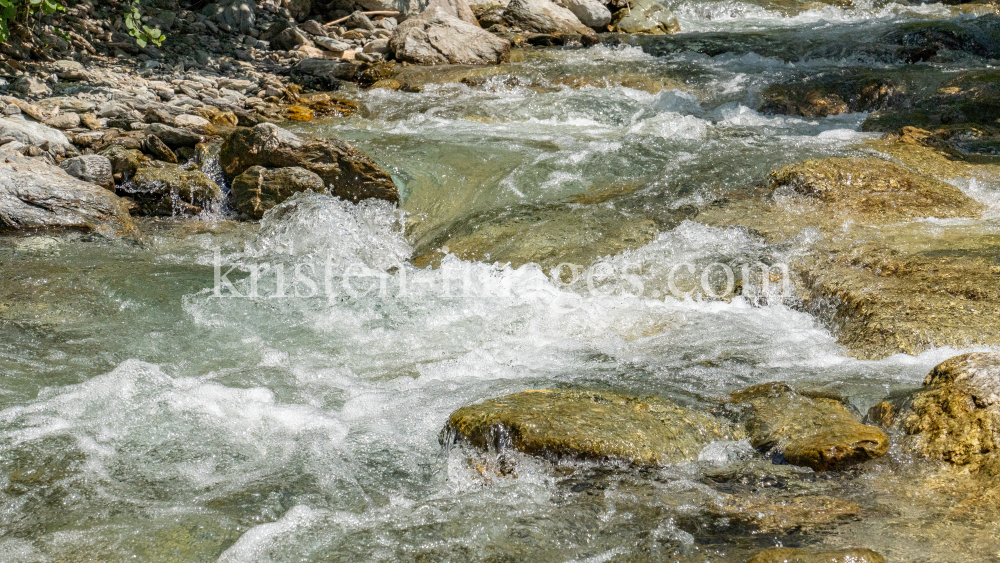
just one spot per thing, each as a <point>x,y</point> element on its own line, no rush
<point>592,13</point>
<point>589,424</point>
<point>92,168</point>
<point>347,172</point>
<point>436,37</point>
<point>543,16</point>
<point>32,133</point>
<point>956,416</point>
<point>36,195</point>
<point>818,433</point>
<point>645,16</point>
<point>259,189</point>
<point>797,555</point>
<point>169,190</point>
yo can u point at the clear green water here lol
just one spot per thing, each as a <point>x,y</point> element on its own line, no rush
<point>143,418</point>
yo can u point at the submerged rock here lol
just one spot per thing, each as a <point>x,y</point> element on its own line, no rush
<point>259,189</point>
<point>171,190</point>
<point>347,172</point>
<point>796,555</point>
<point>956,416</point>
<point>436,37</point>
<point>589,424</point>
<point>818,433</point>
<point>873,190</point>
<point>645,16</point>
<point>36,195</point>
<point>960,113</point>
<point>773,515</point>
<point>833,94</point>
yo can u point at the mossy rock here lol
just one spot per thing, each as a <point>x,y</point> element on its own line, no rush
<point>645,16</point>
<point>795,555</point>
<point>589,424</point>
<point>818,433</point>
<point>956,416</point>
<point>833,94</point>
<point>874,190</point>
<point>171,190</point>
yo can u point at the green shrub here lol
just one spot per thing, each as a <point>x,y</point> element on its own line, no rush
<point>14,12</point>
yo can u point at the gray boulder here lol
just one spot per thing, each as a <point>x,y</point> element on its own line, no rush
<point>92,168</point>
<point>30,87</point>
<point>32,133</point>
<point>169,190</point>
<point>289,39</point>
<point>437,37</point>
<point>543,16</point>
<point>36,195</point>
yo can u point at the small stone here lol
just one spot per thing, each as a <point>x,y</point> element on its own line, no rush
<point>313,27</point>
<point>64,120</point>
<point>124,162</point>
<point>188,120</point>
<point>156,148</point>
<point>30,87</point>
<point>90,121</point>
<point>91,168</point>
<point>358,20</point>
<point>332,44</point>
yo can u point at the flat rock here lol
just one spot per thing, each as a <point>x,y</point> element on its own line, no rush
<point>347,172</point>
<point>796,555</point>
<point>331,44</point>
<point>36,195</point>
<point>259,189</point>
<point>174,137</point>
<point>92,168</point>
<point>589,424</point>
<point>65,120</point>
<point>436,37</point>
<point>32,133</point>
<point>170,190</point>
<point>956,416</point>
<point>818,433</point>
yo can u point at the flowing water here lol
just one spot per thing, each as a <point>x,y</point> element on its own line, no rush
<point>276,392</point>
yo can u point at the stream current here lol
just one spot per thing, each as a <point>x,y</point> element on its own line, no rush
<point>145,418</point>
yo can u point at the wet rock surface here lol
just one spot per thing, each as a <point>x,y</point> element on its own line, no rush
<point>646,17</point>
<point>956,416</point>
<point>259,189</point>
<point>347,172</point>
<point>37,196</point>
<point>892,288</point>
<point>794,555</point>
<point>169,190</point>
<point>818,433</point>
<point>589,424</point>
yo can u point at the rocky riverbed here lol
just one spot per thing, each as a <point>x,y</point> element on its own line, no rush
<point>502,281</point>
